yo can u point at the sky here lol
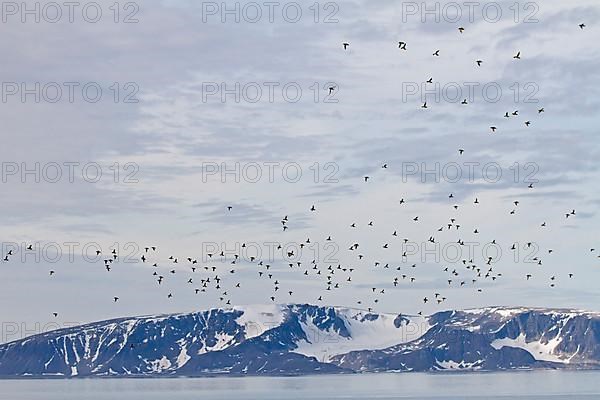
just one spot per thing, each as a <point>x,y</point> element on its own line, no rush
<point>137,124</point>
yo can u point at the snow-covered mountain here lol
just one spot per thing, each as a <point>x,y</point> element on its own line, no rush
<point>305,339</point>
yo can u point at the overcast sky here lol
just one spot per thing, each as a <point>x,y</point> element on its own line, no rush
<point>187,90</point>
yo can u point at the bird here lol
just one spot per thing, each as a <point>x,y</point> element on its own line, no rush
<point>581,26</point>
<point>334,277</point>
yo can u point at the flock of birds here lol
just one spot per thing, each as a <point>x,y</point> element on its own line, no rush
<point>221,275</point>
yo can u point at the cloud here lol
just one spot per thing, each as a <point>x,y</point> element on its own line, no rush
<point>175,130</point>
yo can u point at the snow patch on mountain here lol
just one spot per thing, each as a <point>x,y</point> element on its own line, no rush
<point>539,350</point>
<point>457,366</point>
<point>183,357</point>
<point>258,319</point>
<point>160,365</point>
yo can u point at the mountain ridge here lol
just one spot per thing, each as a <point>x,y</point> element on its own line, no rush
<point>298,339</point>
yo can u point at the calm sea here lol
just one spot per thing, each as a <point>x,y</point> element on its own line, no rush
<point>537,385</point>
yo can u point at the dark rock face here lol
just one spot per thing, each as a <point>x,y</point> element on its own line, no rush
<point>284,340</point>
<point>491,339</point>
<point>441,348</point>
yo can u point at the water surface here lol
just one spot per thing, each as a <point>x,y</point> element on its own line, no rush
<point>555,385</point>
